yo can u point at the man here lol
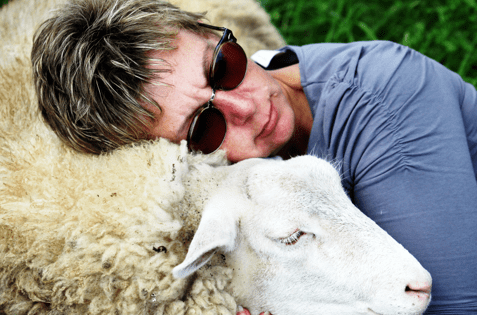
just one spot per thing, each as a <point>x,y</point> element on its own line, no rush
<point>402,127</point>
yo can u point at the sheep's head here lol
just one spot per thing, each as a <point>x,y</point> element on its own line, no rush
<point>298,245</point>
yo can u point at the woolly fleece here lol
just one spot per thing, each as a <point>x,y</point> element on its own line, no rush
<point>78,232</point>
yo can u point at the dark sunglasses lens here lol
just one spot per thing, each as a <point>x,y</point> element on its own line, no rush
<point>230,66</point>
<point>208,132</point>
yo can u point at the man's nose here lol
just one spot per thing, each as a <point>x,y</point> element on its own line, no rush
<point>237,108</point>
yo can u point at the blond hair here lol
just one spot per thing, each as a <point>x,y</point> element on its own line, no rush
<point>90,66</point>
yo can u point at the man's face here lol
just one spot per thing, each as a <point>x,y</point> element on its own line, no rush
<point>259,118</point>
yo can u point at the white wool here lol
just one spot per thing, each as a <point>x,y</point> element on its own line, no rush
<point>99,235</point>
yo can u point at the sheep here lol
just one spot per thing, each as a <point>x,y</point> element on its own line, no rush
<point>297,245</point>
<point>84,234</point>
<point>98,235</point>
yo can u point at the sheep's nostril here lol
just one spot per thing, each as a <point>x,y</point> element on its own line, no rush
<point>421,290</point>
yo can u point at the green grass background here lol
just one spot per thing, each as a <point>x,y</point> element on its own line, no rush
<point>445,30</point>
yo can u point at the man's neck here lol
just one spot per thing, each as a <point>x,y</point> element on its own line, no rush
<point>290,82</point>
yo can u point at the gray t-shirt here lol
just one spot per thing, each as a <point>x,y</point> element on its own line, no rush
<point>403,128</point>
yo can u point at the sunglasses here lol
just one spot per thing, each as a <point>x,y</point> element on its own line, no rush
<point>229,65</point>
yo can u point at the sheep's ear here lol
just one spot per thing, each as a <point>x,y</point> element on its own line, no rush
<point>217,230</point>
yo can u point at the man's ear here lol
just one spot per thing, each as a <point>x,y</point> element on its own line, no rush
<point>218,229</point>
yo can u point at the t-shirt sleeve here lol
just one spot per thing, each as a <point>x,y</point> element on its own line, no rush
<point>393,119</point>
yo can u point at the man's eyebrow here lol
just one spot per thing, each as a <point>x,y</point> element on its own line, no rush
<point>206,62</point>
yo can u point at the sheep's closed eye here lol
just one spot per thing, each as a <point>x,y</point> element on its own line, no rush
<point>292,239</point>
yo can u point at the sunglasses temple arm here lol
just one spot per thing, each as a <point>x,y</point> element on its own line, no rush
<point>217,28</point>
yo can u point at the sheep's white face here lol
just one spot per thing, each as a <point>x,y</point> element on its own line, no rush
<point>298,245</point>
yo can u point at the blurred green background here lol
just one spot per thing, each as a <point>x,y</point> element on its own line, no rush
<point>444,30</point>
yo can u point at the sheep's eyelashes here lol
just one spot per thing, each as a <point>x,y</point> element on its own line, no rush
<point>292,239</point>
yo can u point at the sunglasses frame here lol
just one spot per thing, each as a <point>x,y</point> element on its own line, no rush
<point>207,106</point>
<point>226,37</point>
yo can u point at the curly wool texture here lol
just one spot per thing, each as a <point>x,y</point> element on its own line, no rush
<point>78,235</point>
<point>84,234</point>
